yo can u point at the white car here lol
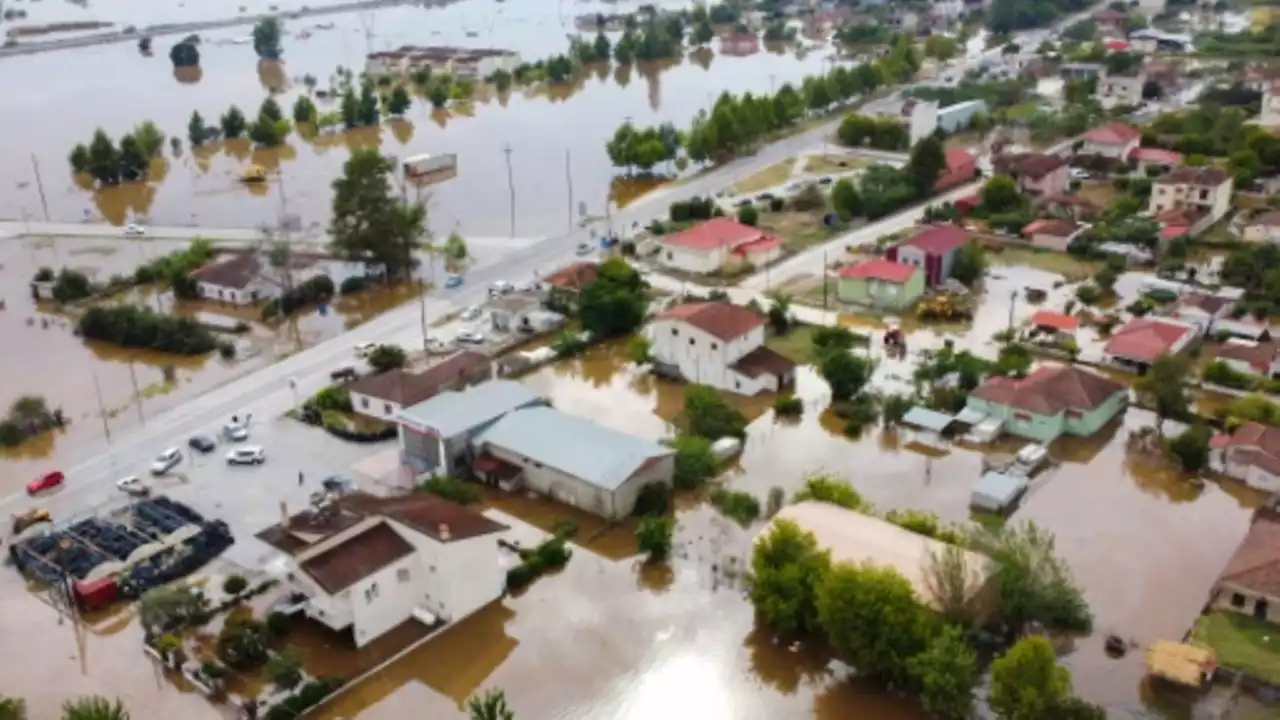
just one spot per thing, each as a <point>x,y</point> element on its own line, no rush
<point>501,287</point>
<point>436,346</point>
<point>584,249</point>
<point>166,461</point>
<point>134,229</point>
<point>132,485</point>
<point>1080,174</point>
<point>475,337</point>
<point>364,349</point>
<point>235,432</point>
<point>472,313</point>
<point>248,455</point>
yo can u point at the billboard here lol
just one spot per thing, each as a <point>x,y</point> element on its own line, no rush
<point>430,169</point>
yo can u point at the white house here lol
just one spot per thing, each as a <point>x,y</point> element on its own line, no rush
<point>247,278</point>
<point>1205,191</point>
<point>1120,90</point>
<point>368,564</point>
<point>1263,228</point>
<point>1113,140</point>
<point>718,344</point>
<point>719,245</point>
<point>1251,356</point>
<point>465,63</point>
<point>1203,310</point>
<point>920,116</point>
<point>384,395</point>
<point>1251,454</point>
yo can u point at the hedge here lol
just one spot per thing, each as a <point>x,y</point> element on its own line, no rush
<point>130,326</point>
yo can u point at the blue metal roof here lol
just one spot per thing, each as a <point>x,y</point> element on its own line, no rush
<point>996,491</point>
<point>454,412</point>
<point>927,419</point>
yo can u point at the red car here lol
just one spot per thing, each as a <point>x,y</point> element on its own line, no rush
<point>47,481</point>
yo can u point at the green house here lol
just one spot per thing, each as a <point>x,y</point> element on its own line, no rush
<point>880,283</point>
<point>1051,402</point>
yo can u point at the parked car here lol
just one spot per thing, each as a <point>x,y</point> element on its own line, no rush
<point>1080,174</point>
<point>202,443</point>
<point>501,287</point>
<point>364,349</point>
<point>134,486</point>
<point>248,455</point>
<point>134,229</point>
<point>235,432</point>
<point>339,484</point>
<point>585,249</point>
<point>472,313</point>
<point>825,180</point>
<point>343,374</point>
<point>436,346</point>
<point>166,461</point>
<point>452,281</point>
<point>474,337</point>
<point>47,481</point>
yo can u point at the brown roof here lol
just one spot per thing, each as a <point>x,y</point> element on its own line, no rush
<point>1051,226</point>
<point>356,558</point>
<point>1050,390</point>
<point>1033,165</point>
<point>1211,304</point>
<point>573,277</point>
<point>764,361</point>
<point>236,271</point>
<point>720,319</point>
<point>1207,176</point>
<point>1258,355</point>
<point>1270,219</point>
<point>407,388</point>
<point>436,518</point>
<point>1255,565</point>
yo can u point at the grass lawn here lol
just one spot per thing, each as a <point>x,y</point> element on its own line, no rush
<point>1072,268</point>
<point>765,178</point>
<point>1024,111</point>
<point>833,163</point>
<point>1241,642</point>
<point>796,344</point>
<point>1100,192</point>
<point>798,230</point>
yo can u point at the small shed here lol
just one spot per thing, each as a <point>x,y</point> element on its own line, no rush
<point>996,492</point>
<point>985,430</point>
<point>1180,663</point>
<point>928,426</point>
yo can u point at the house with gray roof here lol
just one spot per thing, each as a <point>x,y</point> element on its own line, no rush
<point>502,433</point>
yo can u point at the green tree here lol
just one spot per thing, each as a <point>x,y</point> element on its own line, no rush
<point>945,674</point>
<point>266,38</point>
<point>1191,448</point>
<point>169,606</point>
<point>1026,682</point>
<point>748,215</point>
<point>654,537</point>
<point>694,462</point>
<point>270,129</point>
<point>603,48</point>
<point>12,708</point>
<point>846,373</point>
<point>615,303</point>
<point>184,54</point>
<point>349,108</point>
<point>386,357</point>
<point>455,249</point>
<point>370,111</point>
<point>702,33</point>
<point>197,132</point>
<point>134,163</point>
<point>970,263</point>
<point>952,583</point>
<point>399,102</point>
<point>149,138</point>
<point>233,123</point>
<point>873,620</point>
<point>786,569</point>
<point>927,163</point>
<point>104,159</point>
<point>94,707</point>
<point>640,350</point>
<point>1000,195</point>
<point>304,110</point>
<point>1035,584</point>
<point>285,670</point>
<point>370,224</point>
<point>242,643</point>
<point>79,158</point>
<point>707,415</point>
<point>492,705</point>
<point>845,199</point>
<point>438,95</point>
<point>1165,385</point>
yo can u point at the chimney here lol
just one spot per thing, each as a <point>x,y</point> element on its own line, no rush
<point>284,515</point>
<point>444,532</point>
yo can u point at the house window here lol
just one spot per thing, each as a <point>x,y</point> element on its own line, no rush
<point>1237,600</point>
<point>402,575</point>
<point>715,346</point>
<point>675,332</point>
<point>1074,414</point>
<point>691,343</point>
<point>364,402</point>
<point>371,593</point>
<point>670,256</point>
<point>737,385</point>
<point>386,408</point>
<point>1022,417</point>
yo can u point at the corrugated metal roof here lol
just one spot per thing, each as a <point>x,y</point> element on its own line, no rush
<point>927,419</point>
<point>457,411</point>
<point>579,447</point>
<point>995,491</point>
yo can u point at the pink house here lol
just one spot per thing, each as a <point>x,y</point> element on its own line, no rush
<point>934,249</point>
<point>1037,174</point>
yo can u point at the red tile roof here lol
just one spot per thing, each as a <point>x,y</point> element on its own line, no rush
<point>715,233</point>
<point>1113,134</point>
<point>573,277</point>
<point>1032,165</point>
<point>1145,339</point>
<point>237,271</point>
<point>958,158</point>
<point>938,239</point>
<point>1055,320</point>
<point>1259,356</point>
<point>1159,156</point>
<point>1198,176</point>
<point>1051,389</point>
<point>1255,565</point>
<point>721,319</point>
<point>764,243</point>
<point>1056,228</point>
<point>1212,304</point>
<point>1117,45</point>
<point>879,269</point>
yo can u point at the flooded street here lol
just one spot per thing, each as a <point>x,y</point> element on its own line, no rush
<point>541,124</point>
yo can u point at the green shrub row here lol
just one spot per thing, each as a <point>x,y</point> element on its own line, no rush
<point>551,554</point>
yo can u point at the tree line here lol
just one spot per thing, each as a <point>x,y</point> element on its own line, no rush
<point>109,163</point>
<point>873,618</point>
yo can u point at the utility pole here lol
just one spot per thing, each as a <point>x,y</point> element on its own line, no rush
<point>511,186</point>
<point>408,250</point>
<point>137,394</point>
<point>35,165</point>
<point>102,409</point>
<point>823,275</point>
<point>1013,302</point>
<point>568,179</point>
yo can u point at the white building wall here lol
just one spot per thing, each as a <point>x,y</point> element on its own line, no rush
<point>923,121</point>
<point>693,260</point>
<point>557,484</point>
<point>1119,152</point>
<point>385,599</point>
<point>700,356</point>
<point>235,296</point>
<point>374,407</point>
<point>457,577</point>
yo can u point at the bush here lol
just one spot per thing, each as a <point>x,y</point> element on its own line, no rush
<point>654,537</point>
<point>777,498</point>
<point>451,489</point>
<point>777,204</point>
<point>695,463</point>
<point>568,344</point>
<point>242,644</point>
<point>353,284</point>
<point>1191,448</point>
<point>226,350</point>
<point>810,198</point>
<point>653,499</point>
<point>387,357</point>
<point>707,415</point>
<point>1089,293</point>
<point>71,286</point>
<point>741,506</point>
<point>1220,373</point>
<point>44,274</point>
<point>277,624</point>
<point>788,406</point>
<point>564,528</point>
<point>130,326</point>
<point>284,670</point>
<point>316,289</point>
<point>551,554</point>
<point>333,397</point>
<point>306,697</point>
<point>234,584</point>
<point>748,215</point>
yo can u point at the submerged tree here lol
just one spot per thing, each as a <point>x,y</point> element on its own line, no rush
<point>492,705</point>
<point>369,223</point>
<point>94,707</point>
<point>266,38</point>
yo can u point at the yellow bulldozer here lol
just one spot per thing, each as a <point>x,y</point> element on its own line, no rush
<point>943,307</point>
<point>27,518</point>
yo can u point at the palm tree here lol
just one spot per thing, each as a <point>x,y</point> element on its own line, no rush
<point>492,705</point>
<point>94,707</point>
<point>12,708</point>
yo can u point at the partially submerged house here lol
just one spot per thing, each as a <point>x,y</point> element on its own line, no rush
<point>933,248</point>
<point>1052,233</point>
<point>1251,455</point>
<point>1138,343</point>
<point>881,283</point>
<point>1052,401</point>
<point>1251,356</point>
<point>718,344</point>
<point>719,245</point>
<point>384,395</point>
<point>1250,583</point>
<point>1203,310</point>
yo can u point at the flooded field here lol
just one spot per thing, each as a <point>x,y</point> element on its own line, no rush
<point>541,125</point>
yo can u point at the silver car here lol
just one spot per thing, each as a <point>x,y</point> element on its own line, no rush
<point>248,455</point>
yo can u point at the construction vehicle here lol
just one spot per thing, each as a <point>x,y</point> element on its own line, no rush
<point>943,307</point>
<point>27,518</point>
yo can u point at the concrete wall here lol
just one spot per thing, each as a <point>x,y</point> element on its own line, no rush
<point>384,599</point>
<point>458,577</point>
<point>235,296</point>
<point>374,407</point>
<point>693,261</point>
<point>700,356</point>
<point>1246,602</point>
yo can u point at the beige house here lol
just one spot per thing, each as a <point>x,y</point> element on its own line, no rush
<point>1037,174</point>
<point>1250,584</point>
<point>1118,90</point>
<point>1203,190</point>
<point>719,245</point>
<point>1052,234</point>
<point>1251,455</point>
<point>1263,228</point>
